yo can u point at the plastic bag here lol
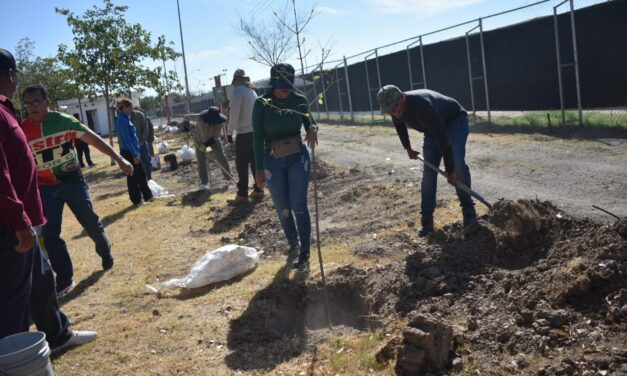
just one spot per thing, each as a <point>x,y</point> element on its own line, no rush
<point>215,266</point>
<point>156,189</point>
<point>163,148</point>
<point>155,163</point>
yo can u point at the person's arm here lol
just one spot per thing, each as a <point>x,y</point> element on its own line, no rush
<point>141,128</point>
<point>13,208</point>
<point>151,130</point>
<point>94,140</point>
<point>259,136</point>
<point>126,133</point>
<point>436,126</point>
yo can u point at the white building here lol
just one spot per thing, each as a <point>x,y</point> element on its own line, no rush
<point>94,113</point>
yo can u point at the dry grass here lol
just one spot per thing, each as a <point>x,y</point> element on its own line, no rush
<point>140,333</point>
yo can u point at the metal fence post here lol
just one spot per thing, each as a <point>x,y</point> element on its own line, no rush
<point>313,79</point>
<point>576,60</point>
<point>368,84</point>
<point>376,57</point>
<point>339,90</point>
<point>470,77</point>
<point>485,72</point>
<point>422,65</point>
<point>348,90</point>
<point>324,91</point>
<point>559,62</point>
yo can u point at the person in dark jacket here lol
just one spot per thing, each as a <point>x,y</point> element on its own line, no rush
<point>445,125</point>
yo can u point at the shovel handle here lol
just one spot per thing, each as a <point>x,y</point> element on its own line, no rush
<point>459,185</point>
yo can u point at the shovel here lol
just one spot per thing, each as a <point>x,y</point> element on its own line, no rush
<point>459,185</point>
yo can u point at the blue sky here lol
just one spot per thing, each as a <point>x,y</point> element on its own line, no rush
<point>214,44</point>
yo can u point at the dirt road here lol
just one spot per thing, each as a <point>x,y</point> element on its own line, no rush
<point>573,174</point>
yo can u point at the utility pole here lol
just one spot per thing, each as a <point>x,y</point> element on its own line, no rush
<point>188,102</point>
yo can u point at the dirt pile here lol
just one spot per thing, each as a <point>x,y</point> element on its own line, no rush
<point>530,283</point>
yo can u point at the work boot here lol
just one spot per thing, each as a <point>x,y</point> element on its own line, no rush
<point>426,229</point>
<point>256,194</point>
<point>301,266</point>
<point>238,201</point>
<point>107,263</point>
<point>292,253</point>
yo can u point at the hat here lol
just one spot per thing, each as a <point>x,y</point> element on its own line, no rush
<point>7,61</point>
<point>388,98</point>
<point>240,75</point>
<point>282,76</point>
<point>213,116</point>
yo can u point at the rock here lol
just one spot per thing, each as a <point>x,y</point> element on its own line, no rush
<point>457,364</point>
<point>442,334</point>
<point>388,351</point>
<point>503,336</point>
<point>418,337</point>
<point>472,324</point>
<point>556,318</point>
<point>527,315</point>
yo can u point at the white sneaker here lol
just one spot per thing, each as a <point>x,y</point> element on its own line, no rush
<point>202,187</point>
<point>79,337</point>
<point>66,289</point>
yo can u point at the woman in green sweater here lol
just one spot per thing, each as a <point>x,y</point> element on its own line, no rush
<point>283,160</point>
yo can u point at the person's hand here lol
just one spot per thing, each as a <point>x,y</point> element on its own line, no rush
<point>142,142</point>
<point>25,239</point>
<point>137,160</point>
<point>412,154</point>
<point>452,178</point>
<point>125,166</point>
<point>260,179</point>
<point>312,138</point>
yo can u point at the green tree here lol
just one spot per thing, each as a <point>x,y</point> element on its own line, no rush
<point>110,54</point>
<point>45,71</point>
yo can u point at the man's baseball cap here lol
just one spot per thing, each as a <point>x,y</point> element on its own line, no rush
<point>388,98</point>
<point>7,61</point>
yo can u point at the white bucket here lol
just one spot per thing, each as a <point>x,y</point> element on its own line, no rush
<point>25,354</point>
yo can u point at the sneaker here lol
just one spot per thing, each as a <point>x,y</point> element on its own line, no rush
<point>301,266</point>
<point>92,164</point>
<point>107,263</point>
<point>238,201</point>
<point>425,230</point>
<point>256,195</point>
<point>62,290</point>
<point>79,337</point>
<point>202,187</point>
<point>292,253</point>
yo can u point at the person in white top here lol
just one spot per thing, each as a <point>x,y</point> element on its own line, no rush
<point>240,120</point>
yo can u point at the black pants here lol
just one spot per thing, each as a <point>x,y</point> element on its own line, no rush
<point>27,290</point>
<point>136,183</point>
<point>244,156</point>
<point>83,148</point>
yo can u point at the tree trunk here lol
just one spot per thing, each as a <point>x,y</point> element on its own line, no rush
<point>109,120</point>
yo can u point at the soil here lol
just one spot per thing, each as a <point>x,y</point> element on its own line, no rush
<point>537,286</point>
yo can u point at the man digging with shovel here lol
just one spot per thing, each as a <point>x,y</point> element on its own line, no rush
<point>445,125</point>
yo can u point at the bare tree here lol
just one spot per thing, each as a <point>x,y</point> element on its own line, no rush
<point>273,42</point>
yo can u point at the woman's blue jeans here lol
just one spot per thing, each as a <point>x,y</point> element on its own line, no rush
<point>458,134</point>
<point>288,182</point>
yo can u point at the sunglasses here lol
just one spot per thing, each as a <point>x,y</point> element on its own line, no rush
<point>34,103</point>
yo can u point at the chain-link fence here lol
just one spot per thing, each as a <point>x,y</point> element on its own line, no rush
<point>550,61</point>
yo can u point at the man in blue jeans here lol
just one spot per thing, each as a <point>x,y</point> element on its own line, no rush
<point>445,125</point>
<point>50,135</point>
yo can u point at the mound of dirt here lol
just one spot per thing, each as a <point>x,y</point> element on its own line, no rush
<point>528,282</point>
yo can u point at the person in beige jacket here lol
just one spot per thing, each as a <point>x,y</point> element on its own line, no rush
<point>206,133</point>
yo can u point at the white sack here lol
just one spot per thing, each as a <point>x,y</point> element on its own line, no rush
<point>215,266</point>
<point>163,148</point>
